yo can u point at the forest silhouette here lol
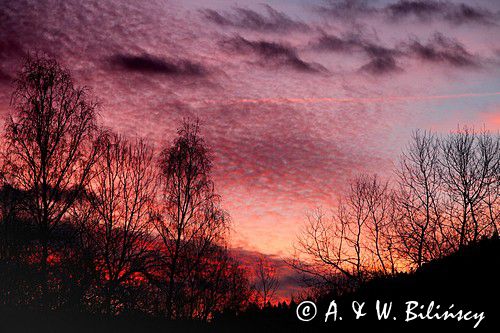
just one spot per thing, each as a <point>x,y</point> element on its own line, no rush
<point>99,231</point>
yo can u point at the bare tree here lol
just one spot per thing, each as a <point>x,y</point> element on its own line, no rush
<point>322,254</point>
<point>489,147</point>
<point>469,168</point>
<point>357,213</point>
<point>221,286</point>
<point>446,195</point>
<point>419,200</point>
<point>266,281</point>
<point>191,220</point>
<point>389,234</point>
<point>382,218</point>
<point>49,145</point>
<point>122,194</point>
<point>334,250</point>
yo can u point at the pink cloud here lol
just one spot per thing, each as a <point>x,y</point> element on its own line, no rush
<point>285,140</point>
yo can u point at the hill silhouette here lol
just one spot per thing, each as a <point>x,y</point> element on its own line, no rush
<point>468,279</point>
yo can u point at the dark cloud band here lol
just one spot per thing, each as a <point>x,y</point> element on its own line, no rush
<point>149,64</point>
<point>443,10</point>
<point>271,54</point>
<point>243,18</point>
<point>440,49</point>
<point>383,60</point>
<point>422,10</point>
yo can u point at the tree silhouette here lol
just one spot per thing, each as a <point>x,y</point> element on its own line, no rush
<point>90,222</point>
<point>49,146</point>
<point>191,220</point>
<point>122,196</point>
<point>221,286</point>
<point>470,163</point>
<point>419,201</point>
<point>381,238</point>
<point>444,197</point>
<point>266,282</point>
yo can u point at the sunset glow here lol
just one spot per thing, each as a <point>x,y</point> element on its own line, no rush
<point>294,97</point>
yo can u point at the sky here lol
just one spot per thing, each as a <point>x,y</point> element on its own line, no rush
<point>295,97</point>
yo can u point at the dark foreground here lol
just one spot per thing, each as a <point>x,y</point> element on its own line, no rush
<point>467,279</point>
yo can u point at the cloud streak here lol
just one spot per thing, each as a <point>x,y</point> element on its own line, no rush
<point>383,60</point>
<point>340,100</point>
<point>426,10</point>
<point>346,9</point>
<point>149,64</point>
<point>421,10</point>
<point>242,18</point>
<point>271,54</point>
<point>440,49</point>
